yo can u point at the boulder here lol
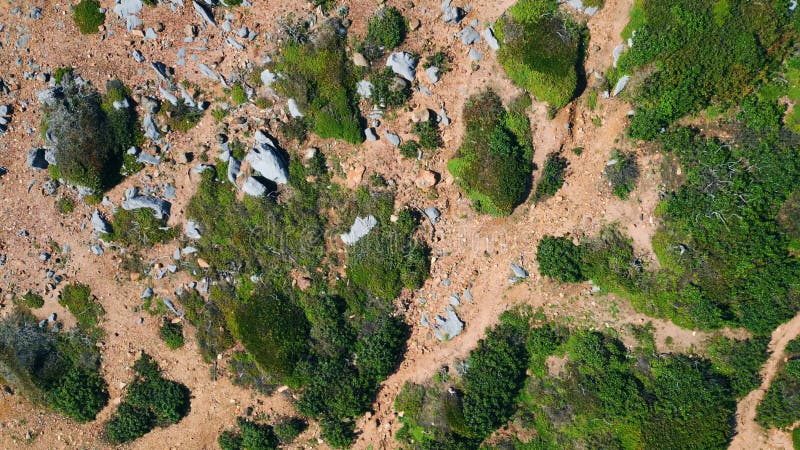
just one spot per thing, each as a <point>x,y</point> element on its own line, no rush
<point>161,208</point>
<point>392,138</point>
<point>620,86</point>
<point>425,179</point>
<point>234,167</point>
<point>253,187</point>
<point>364,88</point>
<point>191,230</point>
<point>161,70</point>
<point>469,36</point>
<point>433,74</point>
<point>475,55</point>
<point>150,130</point>
<point>36,159</point>
<point>449,326</point>
<point>146,158</point>
<point>491,40</point>
<point>294,110</point>
<point>452,14</point>
<point>204,13</point>
<point>369,133</point>
<point>361,227</point>
<point>617,52</point>
<point>265,159</point>
<point>50,96</point>
<point>267,77</point>
<point>433,214</point>
<point>519,271</point>
<point>402,64</point>
<point>100,223</point>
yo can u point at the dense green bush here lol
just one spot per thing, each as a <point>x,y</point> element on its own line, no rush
<point>181,117</point>
<point>60,370</point>
<point>740,361</point>
<point>389,90</point>
<point>552,177</point>
<point>88,17</point>
<point>321,79</point>
<point>428,133</point>
<point>780,407</point>
<point>78,299</point>
<point>30,300</point>
<point>139,228</point>
<point>541,50</point>
<point>287,430</point>
<point>493,164</point>
<point>92,136</point>
<point>622,172</point>
<point>150,401</point>
<point>703,53</point>
<point>208,321</point>
<point>560,259</point>
<point>250,436</point>
<point>171,334</point>
<point>385,31</point>
<point>410,149</point>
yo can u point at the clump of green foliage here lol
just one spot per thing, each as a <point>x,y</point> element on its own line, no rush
<point>409,149</point>
<point>622,172</point>
<point>171,334</point>
<point>150,401</point>
<point>740,361</point>
<point>78,299</point>
<point>599,394</point>
<point>781,404</point>
<point>57,369</point>
<point>92,136</point>
<point>88,17</point>
<point>321,79</point>
<point>65,205</point>
<point>559,258</point>
<point>493,164</point>
<point>181,117</point>
<point>389,90</point>
<point>139,228</point>
<point>694,54</point>
<point>385,31</point>
<point>250,436</point>
<point>552,177</point>
<point>542,50</point>
<point>288,429</point>
<point>238,94</point>
<point>427,132</point>
<point>30,300</point>
<point>335,341</point>
<point>439,60</point>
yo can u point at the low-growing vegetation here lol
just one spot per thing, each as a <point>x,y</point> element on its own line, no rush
<point>321,80</point>
<point>493,164</point>
<point>389,90</point>
<point>150,401</point>
<point>552,177</point>
<point>622,172</point>
<point>541,50</point>
<point>88,17</point>
<point>172,334</point>
<point>780,407</point>
<point>91,135</point>
<point>78,299</point>
<point>251,435</point>
<point>385,31</point>
<point>139,228</point>
<point>56,369</point>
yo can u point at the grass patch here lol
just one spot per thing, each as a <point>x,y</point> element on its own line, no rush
<point>552,177</point>
<point>88,17</point>
<point>78,299</point>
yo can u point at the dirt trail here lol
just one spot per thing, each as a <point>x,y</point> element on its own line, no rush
<point>749,434</point>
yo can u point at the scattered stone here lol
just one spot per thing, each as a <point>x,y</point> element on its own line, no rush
<point>150,130</point>
<point>620,86</point>
<point>468,295</point>
<point>146,158</point>
<point>100,223</point>
<point>294,110</point>
<point>402,64</point>
<point>96,249</point>
<point>449,326</point>
<point>433,74</point>
<point>369,133</point>
<point>253,187</point>
<point>433,214</point>
<point>475,55</point>
<point>452,14</point>
<point>148,293</point>
<point>469,36</point>
<point>392,138</point>
<point>36,159</point>
<point>519,271</point>
<point>161,70</point>
<point>491,40</point>
<point>161,208</point>
<point>361,227</point>
<point>204,13</point>
<point>44,256</point>
<point>191,230</point>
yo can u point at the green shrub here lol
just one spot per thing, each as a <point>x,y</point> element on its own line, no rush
<point>288,429</point>
<point>693,47</point>
<point>428,133</point>
<point>337,434</point>
<point>238,95</point>
<point>389,90</point>
<point>541,50</point>
<point>780,407</point>
<point>385,31</point>
<point>65,205</point>
<point>740,361</point>
<point>30,300</point>
<point>80,394</point>
<point>796,438</point>
<point>139,228</point>
<point>208,321</point>
<point>150,401</point>
<point>560,259</point>
<point>87,16</point>
<point>321,80</point>
<point>61,72</point>
<point>409,149</point>
<point>172,334</point>
<point>78,299</point>
<point>493,164</point>
<point>181,117</point>
<point>622,172</point>
<point>552,177</point>
<point>440,60</point>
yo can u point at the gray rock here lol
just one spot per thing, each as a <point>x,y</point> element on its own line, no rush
<point>137,56</point>
<point>617,52</point>
<point>234,167</point>
<point>160,208</point>
<point>96,249</point>
<point>148,293</point>
<point>491,40</point>
<point>52,317</point>
<point>402,64</point>
<point>620,86</point>
<point>150,34</point>
<point>267,77</point>
<point>192,230</point>
<point>265,159</point>
<point>171,306</point>
<point>200,168</point>
<point>392,138</point>
<point>369,133</point>
<point>204,13</point>
<point>146,158</point>
<point>433,74</point>
<point>207,72</point>
<point>50,156</point>
<point>469,36</point>
<point>100,223</point>
<point>187,97</point>
<point>150,130</point>
<point>168,96</point>
<point>50,96</point>
<point>519,271</point>
<point>433,214</point>
<point>36,13</point>
<point>468,295</point>
<point>161,70</point>
<point>44,256</point>
<point>294,110</point>
<point>189,250</point>
<point>253,187</point>
<point>176,255</point>
<point>150,104</point>
<point>449,326</point>
<point>475,55</point>
<point>361,227</point>
<point>443,119</point>
<point>50,187</point>
<point>234,44</point>
<point>454,300</point>
<point>453,14</point>
<point>125,8</point>
<point>36,159</point>
<point>364,88</point>
<point>121,104</point>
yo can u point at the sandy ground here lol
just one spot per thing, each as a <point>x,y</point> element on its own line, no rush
<point>471,250</point>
